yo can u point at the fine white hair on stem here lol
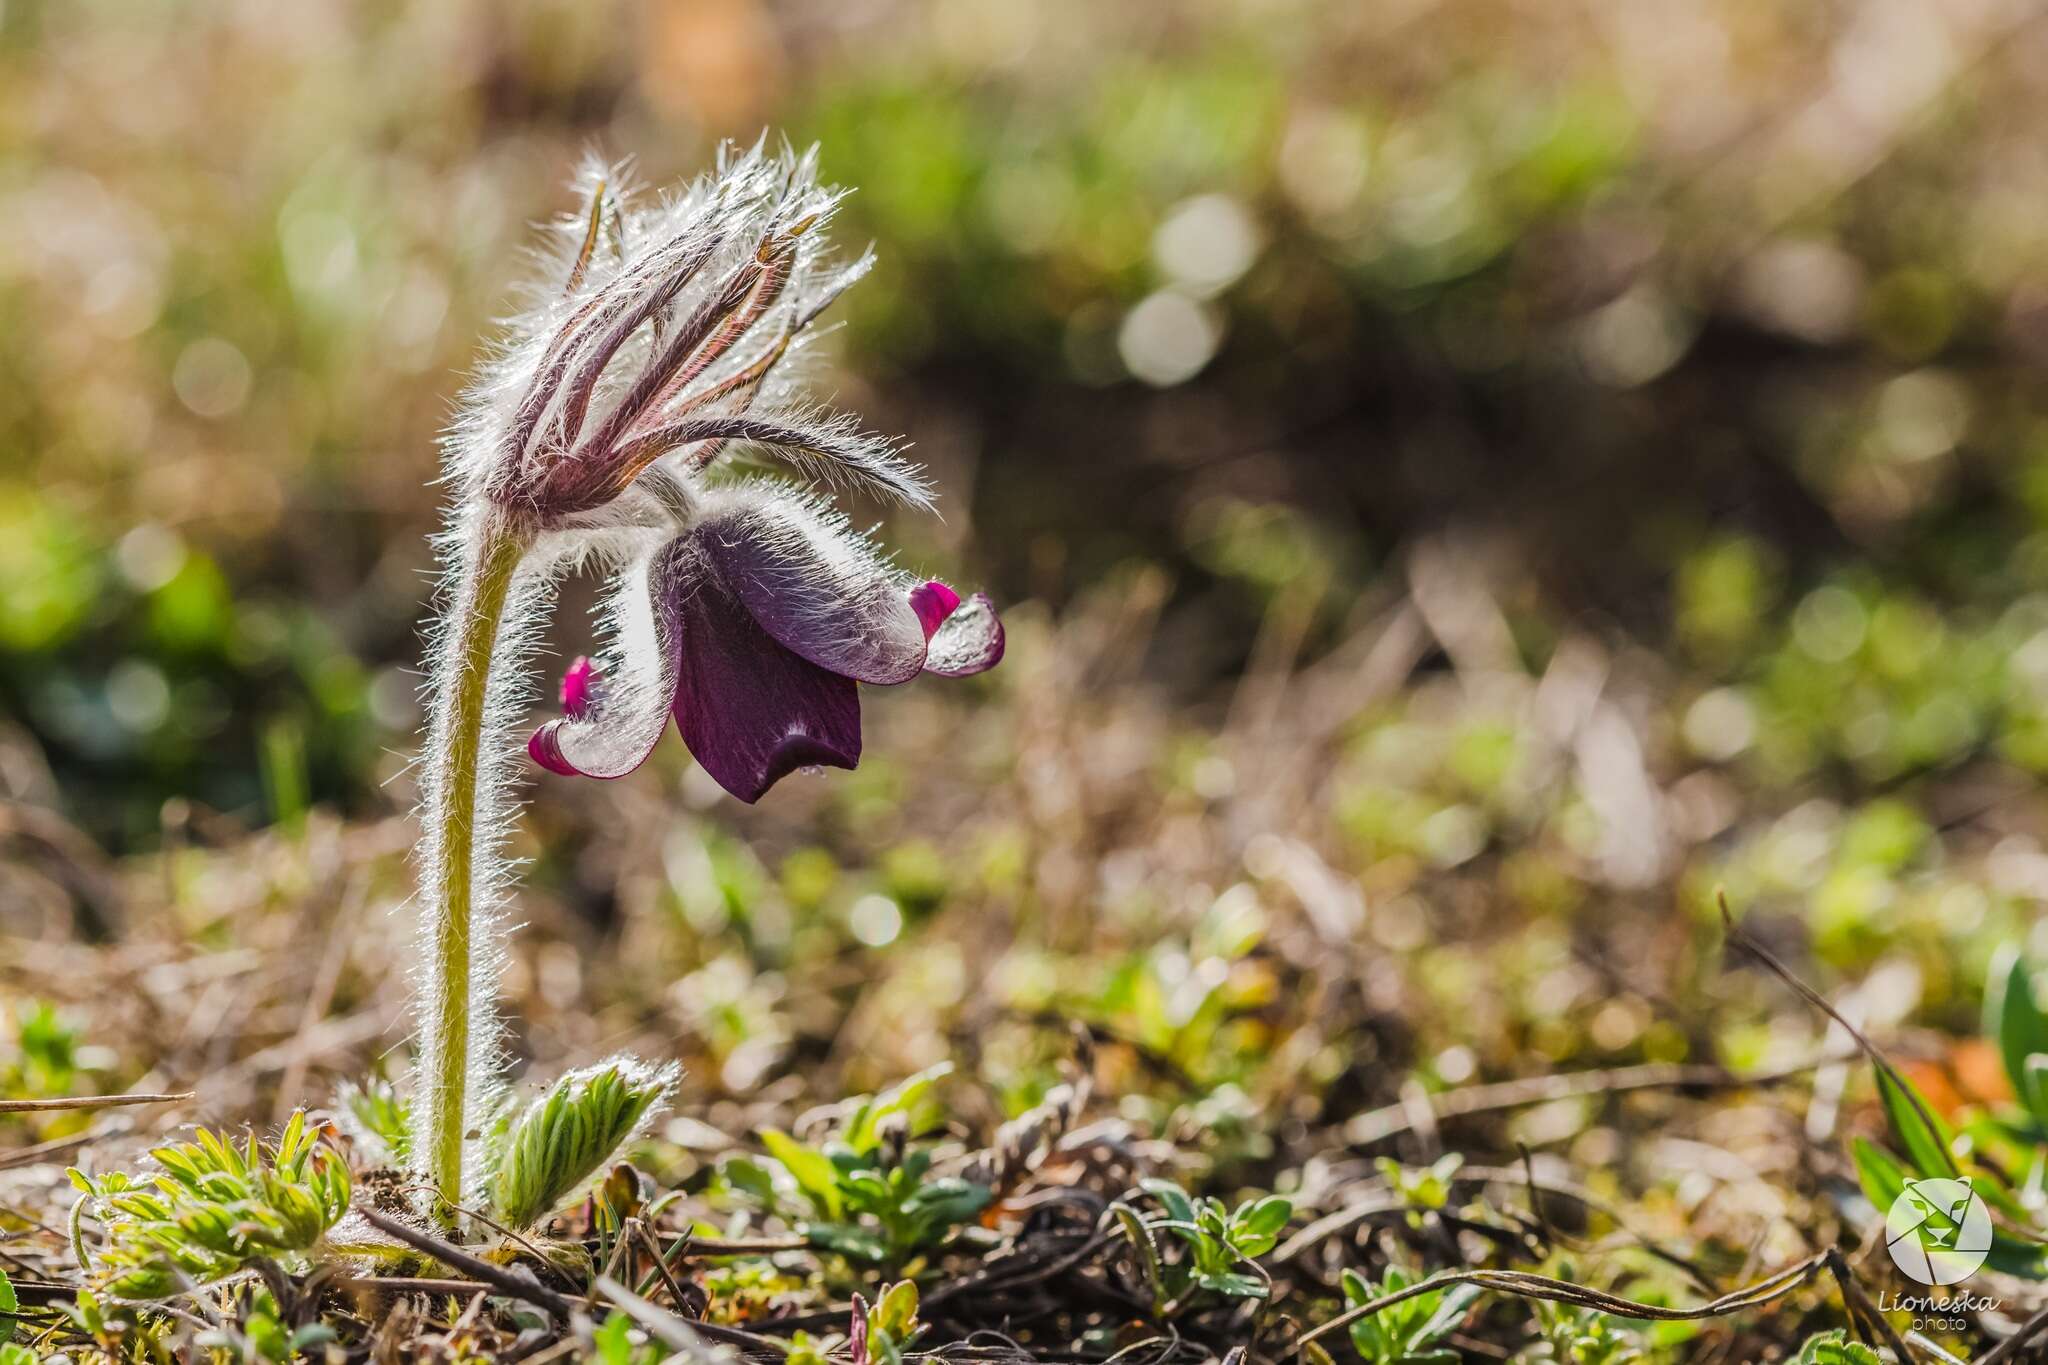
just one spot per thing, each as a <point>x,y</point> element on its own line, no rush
<point>499,775</point>
<point>495,779</point>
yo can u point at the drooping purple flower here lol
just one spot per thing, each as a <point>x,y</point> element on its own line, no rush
<point>748,612</point>
<point>753,628</point>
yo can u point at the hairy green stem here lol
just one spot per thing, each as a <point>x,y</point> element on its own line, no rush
<point>490,562</point>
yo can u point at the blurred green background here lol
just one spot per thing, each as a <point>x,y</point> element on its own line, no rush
<point>1719,323</point>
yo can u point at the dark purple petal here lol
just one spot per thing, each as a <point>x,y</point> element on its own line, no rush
<point>621,721</point>
<point>752,711</point>
<point>933,602</point>
<point>816,592</point>
<point>969,640</point>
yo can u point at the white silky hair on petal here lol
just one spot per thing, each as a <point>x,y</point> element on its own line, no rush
<point>755,194</point>
<point>799,521</point>
<point>807,527</point>
<point>633,669</point>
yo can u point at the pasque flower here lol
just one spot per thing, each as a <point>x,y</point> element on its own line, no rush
<point>748,611</point>
<point>659,351</point>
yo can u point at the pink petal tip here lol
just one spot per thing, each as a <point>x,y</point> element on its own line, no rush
<point>933,602</point>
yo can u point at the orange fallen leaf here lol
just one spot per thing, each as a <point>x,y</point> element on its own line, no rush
<point>1980,1071</point>
<point>1931,1079</point>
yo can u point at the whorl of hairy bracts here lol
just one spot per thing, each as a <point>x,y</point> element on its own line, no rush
<point>662,336</point>
<point>565,1136</point>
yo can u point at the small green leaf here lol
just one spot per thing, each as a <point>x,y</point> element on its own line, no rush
<point>1456,1301</point>
<point>1835,1348</point>
<point>897,1311</point>
<point>850,1240</point>
<point>1233,1285</point>
<point>2011,1256</point>
<point>9,1305</point>
<point>2013,1018</point>
<point>614,1347</point>
<point>1142,1241</point>
<point>805,1349</point>
<point>1879,1172</point>
<point>949,1200</point>
<point>379,1119</point>
<point>750,1178</point>
<point>1178,1206</point>
<point>2032,1087</point>
<point>1921,1133</point>
<point>1267,1216</point>
<point>214,1209</point>
<point>1251,1245</point>
<point>863,1128</point>
<point>812,1170</point>
<point>314,1334</point>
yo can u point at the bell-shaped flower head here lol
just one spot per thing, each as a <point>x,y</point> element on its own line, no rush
<point>753,629</point>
